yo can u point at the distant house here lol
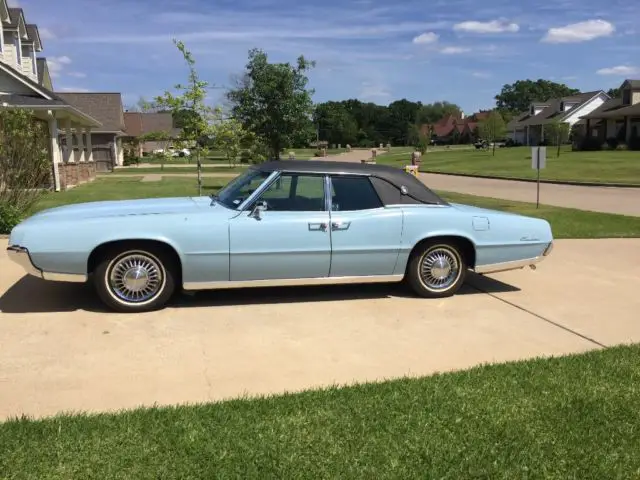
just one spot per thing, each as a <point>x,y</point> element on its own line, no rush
<point>107,139</point>
<point>617,117</point>
<point>454,128</point>
<point>528,128</point>
<point>139,124</point>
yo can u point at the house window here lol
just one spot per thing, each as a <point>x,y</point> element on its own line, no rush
<point>562,106</point>
<point>626,96</point>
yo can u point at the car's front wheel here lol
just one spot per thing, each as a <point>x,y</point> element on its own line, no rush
<point>437,269</point>
<point>131,280</point>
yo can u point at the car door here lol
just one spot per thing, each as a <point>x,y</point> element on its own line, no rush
<point>290,239</point>
<point>365,236</point>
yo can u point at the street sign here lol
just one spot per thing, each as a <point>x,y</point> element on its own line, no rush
<point>538,162</point>
<point>538,157</point>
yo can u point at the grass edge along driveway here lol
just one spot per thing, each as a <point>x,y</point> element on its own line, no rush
<point>565,417</point>
<point>619,166</point>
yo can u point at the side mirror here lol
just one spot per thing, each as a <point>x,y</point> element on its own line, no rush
<point>258,208</point>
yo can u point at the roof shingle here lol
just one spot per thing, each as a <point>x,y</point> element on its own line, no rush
<point>104,107</point>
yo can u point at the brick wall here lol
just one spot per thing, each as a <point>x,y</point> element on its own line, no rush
<point>72,174</point>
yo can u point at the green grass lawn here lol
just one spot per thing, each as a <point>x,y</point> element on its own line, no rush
<point>168,170</point>
<point>621,166</point>
<point>105,188</point>
<point>572,417</point>
<point>565,222</point>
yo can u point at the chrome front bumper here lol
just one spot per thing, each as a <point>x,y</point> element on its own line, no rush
<point>20,255</point>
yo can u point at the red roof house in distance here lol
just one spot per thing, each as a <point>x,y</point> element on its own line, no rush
<point>454,128</point>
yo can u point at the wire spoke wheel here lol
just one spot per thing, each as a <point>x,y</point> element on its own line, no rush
<point>440,268</point>
<point>136,277</point>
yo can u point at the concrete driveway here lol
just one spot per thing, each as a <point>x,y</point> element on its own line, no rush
<point>60,351</point>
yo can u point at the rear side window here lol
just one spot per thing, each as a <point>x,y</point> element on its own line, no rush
<point>353,193</point>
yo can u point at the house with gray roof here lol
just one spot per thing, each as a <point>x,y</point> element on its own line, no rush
<point>81,125</point>
<point>106,139</point>
<point>617,117</point>
<point>528,127</point>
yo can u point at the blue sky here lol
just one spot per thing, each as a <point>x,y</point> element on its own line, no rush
<point>462,51</point>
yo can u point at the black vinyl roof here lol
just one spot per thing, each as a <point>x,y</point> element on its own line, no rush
<point>395,176</point>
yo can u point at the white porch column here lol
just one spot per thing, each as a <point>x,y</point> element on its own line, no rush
<point>68,151</point>
<point>54,147</point>
<point>80,135</point>
<point>89,156</point>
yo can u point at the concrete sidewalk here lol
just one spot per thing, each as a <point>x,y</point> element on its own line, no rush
<point>61,351</point>
<point>624,201</point>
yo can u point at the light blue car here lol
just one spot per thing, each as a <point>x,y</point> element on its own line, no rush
<point>280,223</point>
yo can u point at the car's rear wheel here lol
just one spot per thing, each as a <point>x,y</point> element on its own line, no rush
<point>437,269</point>
<point>133,280</point>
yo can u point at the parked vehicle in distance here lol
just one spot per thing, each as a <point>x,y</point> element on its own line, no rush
<point>280,223</point>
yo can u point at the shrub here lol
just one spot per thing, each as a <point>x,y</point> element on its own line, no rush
<point>590,144</point>
<point>25,168</point>
<point>612,143</point>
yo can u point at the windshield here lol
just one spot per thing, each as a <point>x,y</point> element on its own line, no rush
<point>241,188</point>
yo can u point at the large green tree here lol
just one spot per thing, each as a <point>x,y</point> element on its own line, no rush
<point>492,128</point>
<point>517,97</point>
<point>272,101</point>
<point>432,112</point>
<point>335,124</point>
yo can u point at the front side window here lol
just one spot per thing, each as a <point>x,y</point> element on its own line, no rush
<point>241,188</point>
<point>295,193</point>
<point>353,193</point>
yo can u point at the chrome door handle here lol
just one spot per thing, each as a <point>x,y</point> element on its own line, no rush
<point>318,227</point>
<point>340,226</point>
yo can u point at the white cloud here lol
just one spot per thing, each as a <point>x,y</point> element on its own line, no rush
<point>454,50</point>
<point>57,64</point>
<point>481,75</point>
<point>426,38</point>
<point>46,34</point>
<point>621,70</point>
<point>493,26</point>
<point>283,30</point>
<point>579,32</point>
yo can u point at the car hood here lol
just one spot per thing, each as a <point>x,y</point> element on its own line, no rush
<point>115,208</point>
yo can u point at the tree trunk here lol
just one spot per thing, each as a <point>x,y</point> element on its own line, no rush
<point>494,148</point>
<point>558,149</point>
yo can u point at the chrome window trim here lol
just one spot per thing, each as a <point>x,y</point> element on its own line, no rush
<point>330,183</point>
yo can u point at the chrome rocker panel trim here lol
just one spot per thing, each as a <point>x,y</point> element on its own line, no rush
<point>292,282</point>
<point>516,264</point>
<point>20,255</point>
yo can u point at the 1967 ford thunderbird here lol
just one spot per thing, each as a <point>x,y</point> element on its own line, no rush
<point>280,223</point>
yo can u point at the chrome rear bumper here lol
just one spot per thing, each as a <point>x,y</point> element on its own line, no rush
<point>20,255</point>
<point>515,265</point>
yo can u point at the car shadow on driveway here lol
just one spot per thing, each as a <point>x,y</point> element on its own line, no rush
<point>33,295</point>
